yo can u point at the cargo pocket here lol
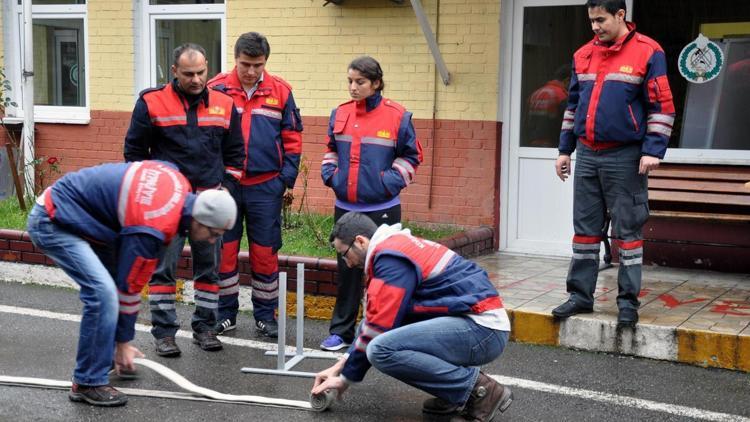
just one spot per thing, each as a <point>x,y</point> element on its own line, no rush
<point>633,213</point>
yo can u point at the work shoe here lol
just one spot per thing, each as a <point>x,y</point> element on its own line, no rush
<point>167,347</point>
<point>627,318</point>
<point>438,406</point>
<point>268,328</point>
<point>97,395</point>
<point>333,342</point>
<point>207,341</point>
<point>125,374</point>
<point>225,325</point>
<point>569,309</point>
<point>486,399</point>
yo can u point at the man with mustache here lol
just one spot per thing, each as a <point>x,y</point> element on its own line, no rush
<point>198,130</point>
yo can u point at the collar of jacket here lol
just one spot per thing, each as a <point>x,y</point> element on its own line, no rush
<point>203,96</point>
<point>368,104</point>
<point>617,45</point>
<point>233,82</point>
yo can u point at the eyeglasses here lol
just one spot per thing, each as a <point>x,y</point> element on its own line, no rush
<point>343,255</point>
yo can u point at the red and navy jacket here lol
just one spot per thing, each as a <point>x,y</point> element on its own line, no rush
<point>203,137</point>
<point>271,127</point>
<point>619,94</point>
<point>412,279</point>
<point>134,209</point>
<point>373,151</point>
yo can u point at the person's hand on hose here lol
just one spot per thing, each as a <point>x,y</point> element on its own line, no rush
<point>125,353</point>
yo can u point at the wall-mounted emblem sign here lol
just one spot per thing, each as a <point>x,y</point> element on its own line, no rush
<point>701,60</point>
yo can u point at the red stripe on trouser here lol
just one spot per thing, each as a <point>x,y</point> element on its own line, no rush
<point>586,239</point>
<point>263,259</point>
<point>229,252</point>
<point>162,289</point>
<point>633,244</point>
<point>206,287</point>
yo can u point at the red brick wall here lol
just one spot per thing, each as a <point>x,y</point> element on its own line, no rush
<point>320,273</point>
<point>455,184</point>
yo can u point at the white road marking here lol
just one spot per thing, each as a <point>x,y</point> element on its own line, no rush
<point>626,401</point>
<point>510,381</point>
<point>253,344</point>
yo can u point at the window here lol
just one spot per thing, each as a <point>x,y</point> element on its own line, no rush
<point>166,24</point>
<point>60,59</point>
<point>711,119</point>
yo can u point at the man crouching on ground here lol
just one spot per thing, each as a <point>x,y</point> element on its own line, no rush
<point>431,318</point>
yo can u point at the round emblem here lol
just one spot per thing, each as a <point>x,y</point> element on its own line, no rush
<point>701,60</point>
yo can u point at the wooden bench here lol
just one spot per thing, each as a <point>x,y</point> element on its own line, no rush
<point>700,192</point>
<point>700,217</point>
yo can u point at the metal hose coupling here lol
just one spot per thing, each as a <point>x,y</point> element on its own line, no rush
<point>324,400</point>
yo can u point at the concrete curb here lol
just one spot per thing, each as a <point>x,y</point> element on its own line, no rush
<point>695,347</point>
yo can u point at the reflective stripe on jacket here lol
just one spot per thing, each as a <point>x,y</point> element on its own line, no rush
<point>440,283</point>
<point>202,138</point>
<point>373,153</point>
<point>271,127</point>
<point>619,93</point>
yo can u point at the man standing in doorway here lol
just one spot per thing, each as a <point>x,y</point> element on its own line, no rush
<point>272,130</point>
<point>198,130</point>
<point>619,118</point>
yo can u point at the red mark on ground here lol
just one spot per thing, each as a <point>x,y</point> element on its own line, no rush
<point>729,307</point>
<point>644,292</point>
<point>670,301</point>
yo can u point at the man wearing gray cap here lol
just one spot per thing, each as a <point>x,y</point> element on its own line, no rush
<point>107,227</point>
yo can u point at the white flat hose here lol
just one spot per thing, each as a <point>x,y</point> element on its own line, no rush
<point>197,393</point>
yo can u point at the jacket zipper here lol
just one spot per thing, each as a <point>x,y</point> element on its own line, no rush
<point>632,118</point>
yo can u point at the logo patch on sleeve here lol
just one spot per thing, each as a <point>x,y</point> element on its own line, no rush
<point>626,69</point>
<point>384,134</point>
<point>272,101</point>
<point>216,110</point>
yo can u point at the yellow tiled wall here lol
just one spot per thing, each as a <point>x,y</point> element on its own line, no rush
<point>311,46</point>
<point>111,60</point>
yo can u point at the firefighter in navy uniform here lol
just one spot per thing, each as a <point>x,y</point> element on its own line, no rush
<point>272,132</point>
<point>197,129</point>
<point>619,118</point>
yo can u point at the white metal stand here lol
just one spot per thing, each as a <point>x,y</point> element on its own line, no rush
<point>283,367</point>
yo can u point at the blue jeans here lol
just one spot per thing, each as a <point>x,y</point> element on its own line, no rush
<point>439,356</point>
<point>85,264</point>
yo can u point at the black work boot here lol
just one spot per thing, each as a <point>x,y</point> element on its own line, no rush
<point>167,347</point>
<point>570,308</point>
<point>627,317</point>
<point>486,399</point>
<point>207,341</point>
<point>438,406</point>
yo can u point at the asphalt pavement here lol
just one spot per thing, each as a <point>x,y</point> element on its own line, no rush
<point>38,334</point>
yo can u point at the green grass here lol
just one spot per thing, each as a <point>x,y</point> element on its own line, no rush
<point>303,234</point>
<point>11,215</point>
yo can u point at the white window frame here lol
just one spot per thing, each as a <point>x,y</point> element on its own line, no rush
<point>13,36</point>
<point>145,42</point>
